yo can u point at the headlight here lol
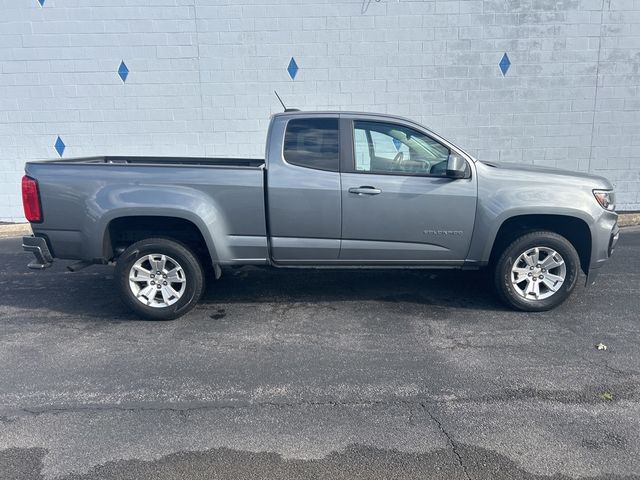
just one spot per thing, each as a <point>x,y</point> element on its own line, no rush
<point>606,199</point>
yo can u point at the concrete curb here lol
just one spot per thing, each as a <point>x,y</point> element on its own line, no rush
<point>14,229</point>
<point>18,229</point>
<point>629,219</point>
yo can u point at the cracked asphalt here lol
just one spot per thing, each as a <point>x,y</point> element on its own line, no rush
<point>318,374</point>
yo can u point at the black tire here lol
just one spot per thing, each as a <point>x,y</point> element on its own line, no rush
<point>193,278</point>
<point>543,239</point>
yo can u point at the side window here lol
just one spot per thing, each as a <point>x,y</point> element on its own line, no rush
<point>385,146</point>
<point>313,143</point>
<point>389,148</point>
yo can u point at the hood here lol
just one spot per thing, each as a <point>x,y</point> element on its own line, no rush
<point>541,173</point>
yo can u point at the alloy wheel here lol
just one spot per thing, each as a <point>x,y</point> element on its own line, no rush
<point>538,273</point>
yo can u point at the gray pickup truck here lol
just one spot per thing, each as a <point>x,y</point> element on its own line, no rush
<point>336,190</point>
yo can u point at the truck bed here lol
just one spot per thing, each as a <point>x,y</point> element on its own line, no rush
<point>222,197</point>
<point>161,161</point>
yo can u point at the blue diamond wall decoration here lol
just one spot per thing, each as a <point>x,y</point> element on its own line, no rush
<point>505,63</point>
<point>123,71</point>
<point>292,68</point>
<point>41,2</point>
<point>60,146</point>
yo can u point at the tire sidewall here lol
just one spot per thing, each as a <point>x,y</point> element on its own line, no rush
<point>188,261</point>
<point>519,246</point>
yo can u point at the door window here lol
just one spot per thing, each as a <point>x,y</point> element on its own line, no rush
<point>394,149</point>
<point>312,143</point>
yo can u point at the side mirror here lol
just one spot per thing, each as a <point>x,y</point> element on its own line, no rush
<point>456,167</point>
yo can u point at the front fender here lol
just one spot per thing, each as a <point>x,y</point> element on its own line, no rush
<point>483,243</point>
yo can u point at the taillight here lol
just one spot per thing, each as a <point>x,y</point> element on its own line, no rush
<point>31,200</point>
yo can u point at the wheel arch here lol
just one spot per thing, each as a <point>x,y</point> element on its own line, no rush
<point>126,229</point>
<point>575,229</point>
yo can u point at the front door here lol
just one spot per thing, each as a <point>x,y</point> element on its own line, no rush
<point>398,206</point>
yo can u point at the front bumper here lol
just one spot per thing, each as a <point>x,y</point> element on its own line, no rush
<point>594,268</point>
<point>38,246</point>
<point>613,241</point>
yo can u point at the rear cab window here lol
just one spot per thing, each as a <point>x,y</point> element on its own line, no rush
<point>313,143</point>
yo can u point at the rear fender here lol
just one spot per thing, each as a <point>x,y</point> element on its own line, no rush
<point>177,202</point>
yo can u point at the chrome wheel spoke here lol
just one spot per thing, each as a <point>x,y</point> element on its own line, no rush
<point>550,284</point>
<point>158,262</point>
<point>140,274</point>
<point>153,261</point>
<point>523,272</point>
<point>147,292</point>
<point>532,289</point>
<point>532,257</point>
<point>550,262</point>
<point>171,290</point>
<point>175,276</point>
<point>554,279</point>
<point>166,294</point>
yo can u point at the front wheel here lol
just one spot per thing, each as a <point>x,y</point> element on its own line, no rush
<point>159,279</point>
<point>537,272</point>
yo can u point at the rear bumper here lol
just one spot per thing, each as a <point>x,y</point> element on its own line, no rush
<point>38,246</point>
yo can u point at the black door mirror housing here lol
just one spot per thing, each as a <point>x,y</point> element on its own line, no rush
<point>457,167</point>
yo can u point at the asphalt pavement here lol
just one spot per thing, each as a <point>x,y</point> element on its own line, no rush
<point>283,374</point>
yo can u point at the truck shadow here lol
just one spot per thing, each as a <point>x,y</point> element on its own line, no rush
<point>444,288</point>
<point>91,293</point>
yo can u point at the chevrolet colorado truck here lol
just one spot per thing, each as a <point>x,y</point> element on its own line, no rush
<point>336,190</point>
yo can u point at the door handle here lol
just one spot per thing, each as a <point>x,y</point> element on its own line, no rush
<point>365,190</point>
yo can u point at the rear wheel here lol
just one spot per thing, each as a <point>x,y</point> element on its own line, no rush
<point>537,271</point>
<point>159,278</point>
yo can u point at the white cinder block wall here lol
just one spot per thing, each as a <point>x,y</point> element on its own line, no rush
<point>202,75</point>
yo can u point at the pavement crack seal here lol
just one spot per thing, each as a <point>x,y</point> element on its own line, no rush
<point>183,410</point>
<point>623,391</point>
<point>452,443</point>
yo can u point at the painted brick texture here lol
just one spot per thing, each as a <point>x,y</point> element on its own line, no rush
<point>202,75</point>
